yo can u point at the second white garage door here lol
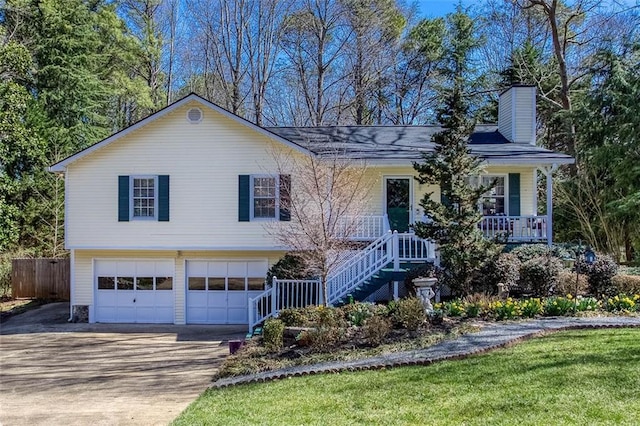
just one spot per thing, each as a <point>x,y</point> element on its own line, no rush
<point>218,292</point>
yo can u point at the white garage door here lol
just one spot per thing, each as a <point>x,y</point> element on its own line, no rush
<point>134,291</point>
<point>218,292</point>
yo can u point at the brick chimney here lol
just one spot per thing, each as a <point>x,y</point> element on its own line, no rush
<point>517,114</point>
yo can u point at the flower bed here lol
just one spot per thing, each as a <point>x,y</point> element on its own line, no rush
<point>491,308</point>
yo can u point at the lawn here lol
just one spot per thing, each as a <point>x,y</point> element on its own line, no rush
<point>577,377</point>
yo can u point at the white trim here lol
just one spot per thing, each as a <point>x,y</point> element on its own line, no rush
<point>513,115</point>
<point>132,216</point>
<point>72,282</point>
<point>66,212</point>
<point>94,293</point>
<point>505,161</point>
<point>534,122</point>
<point>62,165</point>
<point>535,191</point>
<point>411,198</point>
<point>184,248</point>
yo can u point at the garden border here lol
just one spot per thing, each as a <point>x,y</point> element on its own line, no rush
<point>492,336</point>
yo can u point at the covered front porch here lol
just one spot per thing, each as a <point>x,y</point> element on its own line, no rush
<point>512,229</point>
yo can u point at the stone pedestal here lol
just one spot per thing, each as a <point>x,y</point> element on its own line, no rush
<point>424,290</point>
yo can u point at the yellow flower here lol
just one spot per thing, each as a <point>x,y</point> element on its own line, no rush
<point>569,296</point>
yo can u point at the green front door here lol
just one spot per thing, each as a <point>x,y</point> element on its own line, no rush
<point>398,200</point>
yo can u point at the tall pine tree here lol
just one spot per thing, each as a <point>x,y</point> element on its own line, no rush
<point>454,219</point>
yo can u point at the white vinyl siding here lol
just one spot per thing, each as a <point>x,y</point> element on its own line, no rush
<point>202,161</point>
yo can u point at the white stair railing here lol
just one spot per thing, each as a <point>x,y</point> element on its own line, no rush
<point>390,248</point>
<point>362,266</point>
<point>283,294</point>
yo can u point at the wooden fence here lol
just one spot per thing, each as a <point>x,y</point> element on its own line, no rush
<point>41,278</point>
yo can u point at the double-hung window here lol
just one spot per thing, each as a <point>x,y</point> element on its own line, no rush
<point>144,197</point>
<point>493,202</point>
<point>264,195</point>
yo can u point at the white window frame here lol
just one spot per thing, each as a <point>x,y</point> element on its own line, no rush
<point>505,195</point>
<point>252,197</point>
<point>155,197</point>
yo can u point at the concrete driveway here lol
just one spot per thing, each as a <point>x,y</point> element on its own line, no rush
<point>55,373</point>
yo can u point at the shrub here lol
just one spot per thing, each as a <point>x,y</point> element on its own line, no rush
<point>293,317</point>
<point>539,275</point>
<point>600,274</point>
<point>559,306</point>
<point>409,314</point>
<point>567,284</point>
<point>622,303</point>
<point>627,284</point>
<point>531,307</point>
<point>357,313</point>
<point>327,317</point>
<point>527,252</point>
<point>505,269</point>
<point>376,329</point>
<point>272,334</point>
<point>321,339</point>
<point>289,267</point>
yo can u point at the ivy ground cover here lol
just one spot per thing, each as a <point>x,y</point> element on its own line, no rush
<point>577,377</point>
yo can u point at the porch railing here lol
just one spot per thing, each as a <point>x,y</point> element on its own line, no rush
<point>515,228</point>
<point>413,248</point>
<point>363,228</point>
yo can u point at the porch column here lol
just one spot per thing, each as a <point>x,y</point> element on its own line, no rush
<point>548,171</point>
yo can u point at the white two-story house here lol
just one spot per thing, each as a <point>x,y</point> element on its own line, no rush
<point>165,219</point>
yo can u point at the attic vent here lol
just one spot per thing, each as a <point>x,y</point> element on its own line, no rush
<point>194,115</point>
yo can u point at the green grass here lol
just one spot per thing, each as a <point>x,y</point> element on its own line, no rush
<point>577,377</point>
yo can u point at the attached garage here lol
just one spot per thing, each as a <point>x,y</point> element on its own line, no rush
<point>130,291</point>
<point>218,291</point>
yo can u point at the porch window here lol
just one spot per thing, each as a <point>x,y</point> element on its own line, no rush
<point>493,202</point>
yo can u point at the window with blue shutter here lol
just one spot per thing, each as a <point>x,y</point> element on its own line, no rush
<point>163,198</point>
<point>244,198</point>
<point>123,198</point>
<point>285,198</point>
<point>143,198</point>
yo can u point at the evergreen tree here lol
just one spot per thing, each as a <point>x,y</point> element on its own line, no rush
<point>453,222</point>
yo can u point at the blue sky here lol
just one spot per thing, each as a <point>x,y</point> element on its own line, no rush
<point>432,8</point>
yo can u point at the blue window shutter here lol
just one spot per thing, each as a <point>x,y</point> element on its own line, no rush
<point>123,198</point>
<point>163,198</point>
<point>285,198</point>
<point>514,194</point>
<point>244,198</point>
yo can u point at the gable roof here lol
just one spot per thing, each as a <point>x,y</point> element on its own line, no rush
<point>394,144</point>
<point>61,165</point>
